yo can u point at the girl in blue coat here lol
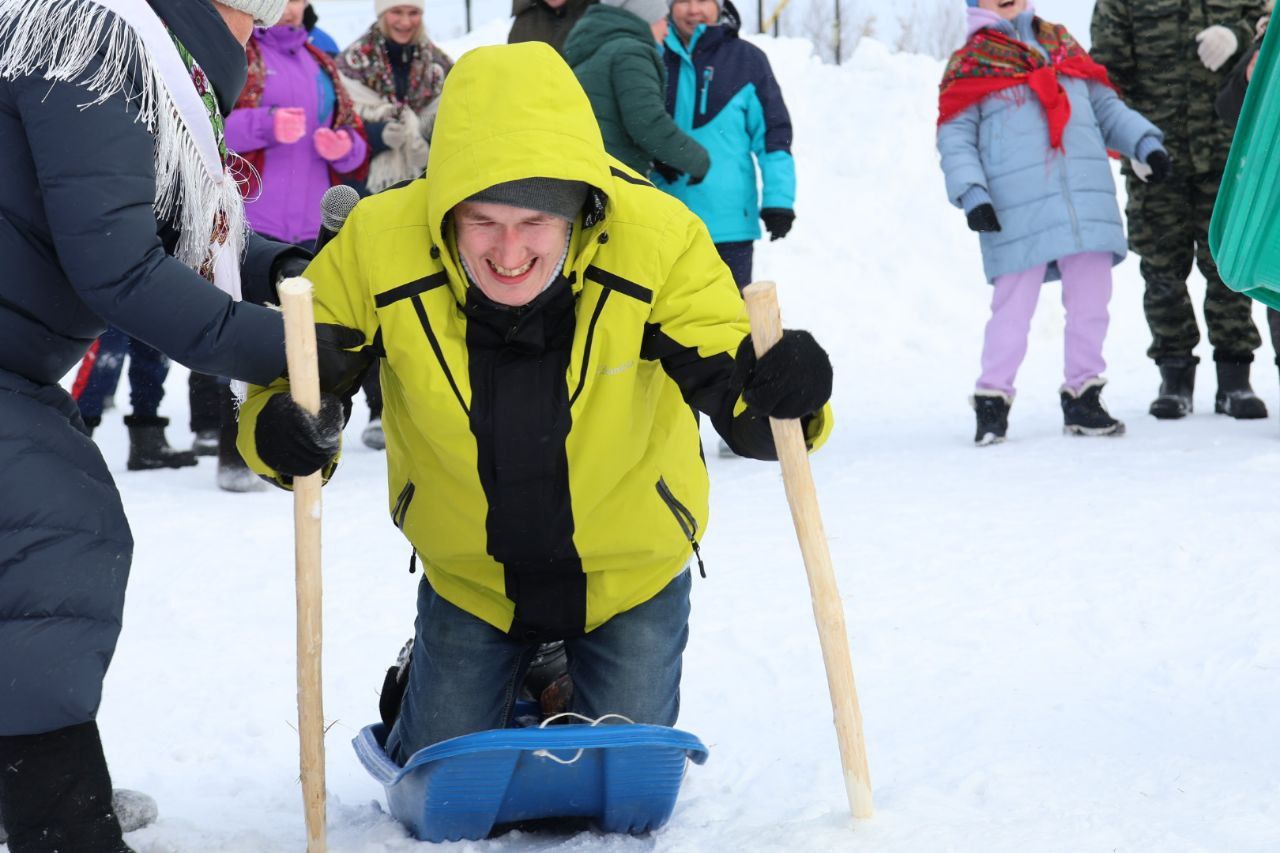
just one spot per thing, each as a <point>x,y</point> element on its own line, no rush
<point>1025,121</point>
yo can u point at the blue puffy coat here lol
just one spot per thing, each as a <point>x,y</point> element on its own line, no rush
<point>81,247</point>
<point>721,90</point>
<point>1050,203</point>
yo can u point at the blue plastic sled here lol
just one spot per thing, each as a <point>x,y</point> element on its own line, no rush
<point>626,778</point>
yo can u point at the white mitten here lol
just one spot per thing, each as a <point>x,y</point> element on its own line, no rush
<point>1217,45</point>
<point>1140,170</point>
<point>394,134</point>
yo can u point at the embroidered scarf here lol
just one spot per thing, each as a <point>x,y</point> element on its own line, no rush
<point>992,61</point>
<point>60,39</point>
<point>344,116</point>
<point>367,61</point>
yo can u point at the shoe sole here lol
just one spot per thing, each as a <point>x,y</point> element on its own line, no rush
<point>1073,429</point>
<point>988,440</point>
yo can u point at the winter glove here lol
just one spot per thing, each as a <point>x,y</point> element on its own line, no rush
<point>1217,45</point>
<point>288,266</point>
<point>983,218</point>
<point>1159,167</point>
<point>339,364</point>
<point>791,380</point>
<point>295,442</point>
<point>778,220</point>
<point>670,174</point>
<point>394,134</point>
<point>332,144</point>
<point>289,124</point>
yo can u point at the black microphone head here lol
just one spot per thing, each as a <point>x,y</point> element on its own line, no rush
<point>336,206</point>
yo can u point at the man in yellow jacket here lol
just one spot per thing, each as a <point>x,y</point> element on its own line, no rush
<point>546,321</point>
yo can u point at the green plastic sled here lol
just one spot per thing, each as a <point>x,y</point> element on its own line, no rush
<point>1244,234</point>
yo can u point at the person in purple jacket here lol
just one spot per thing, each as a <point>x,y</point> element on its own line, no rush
<point>295,125</point>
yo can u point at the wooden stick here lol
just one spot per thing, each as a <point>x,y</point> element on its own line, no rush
<point>304,384</point>
<point>788,436</point>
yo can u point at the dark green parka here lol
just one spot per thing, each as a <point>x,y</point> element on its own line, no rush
<point>1149,48</point>
<point>536,21</point>
<point>616,60</point>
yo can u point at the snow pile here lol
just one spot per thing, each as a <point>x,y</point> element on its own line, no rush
<point>1060,644</point>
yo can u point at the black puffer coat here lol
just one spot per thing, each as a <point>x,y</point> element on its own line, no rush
<point>80,248</point>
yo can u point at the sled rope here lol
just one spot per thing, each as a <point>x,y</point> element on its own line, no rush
<point>542,753</point>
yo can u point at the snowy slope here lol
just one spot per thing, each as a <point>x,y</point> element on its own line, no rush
<point>1060,644</point>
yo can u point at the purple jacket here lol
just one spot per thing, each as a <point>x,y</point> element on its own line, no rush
<point>294,176</point>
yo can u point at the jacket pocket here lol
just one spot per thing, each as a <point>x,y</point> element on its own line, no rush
<point>401,508</point>
<point>688,524</point>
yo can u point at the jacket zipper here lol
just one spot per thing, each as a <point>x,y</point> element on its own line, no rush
<point>586,347</point>
<point>401,508</point>
<point>707,74</point>
<point>688,524</point>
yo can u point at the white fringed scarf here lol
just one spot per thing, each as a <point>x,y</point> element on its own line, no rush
<point>59,39</point>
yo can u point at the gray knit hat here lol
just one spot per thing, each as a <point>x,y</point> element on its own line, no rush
<point>549,195</point>
<point>646,10</point>
<point>266,13</point>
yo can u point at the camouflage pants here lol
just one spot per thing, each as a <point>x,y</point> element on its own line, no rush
<point>1169,230</point>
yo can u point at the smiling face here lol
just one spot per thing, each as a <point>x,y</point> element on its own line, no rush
<point>1007,9</point>
<point>511,251</point>
<point>402,23</point>
<point>688,14</point>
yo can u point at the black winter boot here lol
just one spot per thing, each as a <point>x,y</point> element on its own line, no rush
<point>1235,396</point>
<point>233,474</point>
<point>55,793</point>
<point>92,423</point>
<point>148,448</point>
<point>1177,389</point>
<point>992,410</point>
<point>1084,414</point>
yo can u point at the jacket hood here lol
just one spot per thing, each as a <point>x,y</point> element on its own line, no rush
<point>600,26</point>
<point>494,126</point>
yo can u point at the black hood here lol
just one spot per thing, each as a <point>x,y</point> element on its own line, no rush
<point>202,31</point>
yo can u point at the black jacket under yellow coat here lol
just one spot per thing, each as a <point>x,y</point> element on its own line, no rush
<point>544,462</point>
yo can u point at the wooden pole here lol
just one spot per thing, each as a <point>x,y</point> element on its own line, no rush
<point>788,436</point>
<point>304,383</point>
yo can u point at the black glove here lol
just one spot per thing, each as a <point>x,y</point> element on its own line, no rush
<point>1161,166</point>
<point>670,174</point>
<point>339,368</point>
<point>983,218</point>
<point>791,380</point>
<point>295,442</point>
<point>290,265</point>
<point>778,220</point>
<point>693,182</point>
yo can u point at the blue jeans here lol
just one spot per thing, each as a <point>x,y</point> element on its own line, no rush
<point>148,368</point>
<point>466,674</point>
<point>737,257</point>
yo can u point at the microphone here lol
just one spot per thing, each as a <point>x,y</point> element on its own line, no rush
<point>335,207</point>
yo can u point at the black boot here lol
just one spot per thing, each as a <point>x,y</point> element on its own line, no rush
<point>1084,414</point>
<point>1235,396</point>
<point>233,474</point>
<point>92,423</point>
<point>1177,389</point>
<point>55,793</point>
<point>992,410</point>
<point>148,448</point>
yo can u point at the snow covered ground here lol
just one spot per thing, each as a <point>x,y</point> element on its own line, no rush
<point>1061,644</point>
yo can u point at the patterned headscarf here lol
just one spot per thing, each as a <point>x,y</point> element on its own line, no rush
<point>367,61</point>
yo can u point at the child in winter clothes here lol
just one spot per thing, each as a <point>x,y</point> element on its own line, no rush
<point>1025,121</point>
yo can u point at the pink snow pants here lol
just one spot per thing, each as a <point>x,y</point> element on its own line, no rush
<point>1086,290</point>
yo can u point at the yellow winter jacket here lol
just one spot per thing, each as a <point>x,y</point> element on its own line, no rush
<point>544,463</point>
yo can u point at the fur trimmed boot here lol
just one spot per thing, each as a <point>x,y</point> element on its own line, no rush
<point>1083,412</point>
<point>992,411</point>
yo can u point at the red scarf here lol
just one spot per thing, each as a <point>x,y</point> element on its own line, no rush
<point>344,116</point>
<point>992,61</point>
